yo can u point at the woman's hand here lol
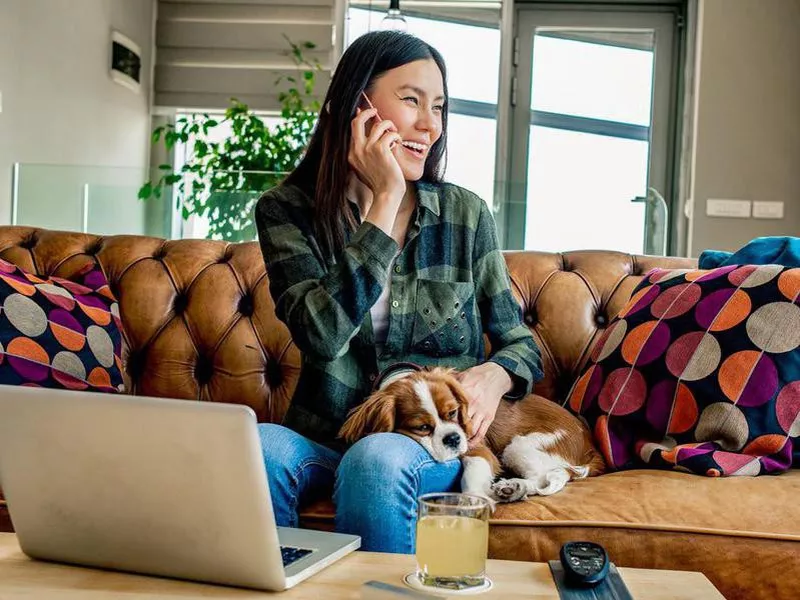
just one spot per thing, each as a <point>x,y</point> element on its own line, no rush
<point>485,386</point>
<point>371,157</point>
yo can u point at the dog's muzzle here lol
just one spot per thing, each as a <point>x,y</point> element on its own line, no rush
<point>452,440</point>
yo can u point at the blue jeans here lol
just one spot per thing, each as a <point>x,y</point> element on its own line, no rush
<point>375,484</point>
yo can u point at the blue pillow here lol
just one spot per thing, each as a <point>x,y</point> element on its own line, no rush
<point>773,250</point>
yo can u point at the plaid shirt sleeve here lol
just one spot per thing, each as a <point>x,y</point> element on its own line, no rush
<point>513,346</point>
<point>323,308</point>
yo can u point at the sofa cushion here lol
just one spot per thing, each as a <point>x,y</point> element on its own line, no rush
<point>658,520</point>
<point>669,520</point>
<point>700,372</point>
<point>59,333</point>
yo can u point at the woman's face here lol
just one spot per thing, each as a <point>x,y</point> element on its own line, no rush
<point>412,97</point>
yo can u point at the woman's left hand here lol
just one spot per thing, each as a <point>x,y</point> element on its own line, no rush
<point>485,386</point>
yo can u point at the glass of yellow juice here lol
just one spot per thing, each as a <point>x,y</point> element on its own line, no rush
<point>452,540</point>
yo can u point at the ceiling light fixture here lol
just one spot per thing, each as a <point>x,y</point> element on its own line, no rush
<point>394,18</point>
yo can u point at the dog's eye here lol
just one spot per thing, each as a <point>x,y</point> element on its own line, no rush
<point>425,428</point>
<point>451,416</point>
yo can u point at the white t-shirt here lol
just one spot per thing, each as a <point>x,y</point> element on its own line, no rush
<point>380,312</point>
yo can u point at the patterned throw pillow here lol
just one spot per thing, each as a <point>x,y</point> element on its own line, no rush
<point>59,333</point>
<point>700,372</point>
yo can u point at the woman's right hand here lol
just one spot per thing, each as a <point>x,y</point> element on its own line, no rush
<point>371,156</point>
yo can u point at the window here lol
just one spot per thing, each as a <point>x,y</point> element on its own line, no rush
<point>591,155</point>
<point>578,86</point>
<point>197,226</point>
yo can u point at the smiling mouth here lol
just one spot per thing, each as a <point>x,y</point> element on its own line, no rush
<point>415,149</point>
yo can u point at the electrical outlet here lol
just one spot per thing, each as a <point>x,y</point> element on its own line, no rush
<point>767,210</point>
<point>719,207</point>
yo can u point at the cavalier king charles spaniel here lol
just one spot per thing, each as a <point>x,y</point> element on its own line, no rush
<point>535,439</point>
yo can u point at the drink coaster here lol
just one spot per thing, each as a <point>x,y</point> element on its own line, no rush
<point>412,581</point>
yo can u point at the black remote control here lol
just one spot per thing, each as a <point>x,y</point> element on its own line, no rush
<point>585,563</point>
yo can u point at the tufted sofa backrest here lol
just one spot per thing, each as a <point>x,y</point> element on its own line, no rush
<point>199,322</point>
<point>568,299</point>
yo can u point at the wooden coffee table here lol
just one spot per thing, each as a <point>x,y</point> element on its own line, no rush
<point>21,577</point>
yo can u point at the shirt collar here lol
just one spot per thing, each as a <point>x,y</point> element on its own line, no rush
<point>428,196</point>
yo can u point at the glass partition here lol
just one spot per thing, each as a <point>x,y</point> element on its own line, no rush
<point>89,199</point>
<point>105,201</point>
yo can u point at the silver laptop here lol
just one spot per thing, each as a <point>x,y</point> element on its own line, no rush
<point>163,487</point>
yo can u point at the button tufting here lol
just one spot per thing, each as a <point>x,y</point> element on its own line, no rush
<point>94,248</point>
<point>273,372</point>
<point>530,318</point>
<point>600,319</point>
<point>203,370</point>
<point>135,364</point>
<point>160,253</point>
<point>246,305</point>
<point>180,303</point>
<point>29,242</point>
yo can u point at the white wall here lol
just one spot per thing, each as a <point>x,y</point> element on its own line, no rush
<point>747,118</point>
<point>59,105</point>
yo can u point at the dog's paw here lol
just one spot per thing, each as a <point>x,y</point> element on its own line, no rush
<point>509,490</point>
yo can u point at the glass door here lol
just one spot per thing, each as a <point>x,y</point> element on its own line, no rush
<point>592,131</point>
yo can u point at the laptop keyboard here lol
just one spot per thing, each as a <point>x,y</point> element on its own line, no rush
<point>290,555</point>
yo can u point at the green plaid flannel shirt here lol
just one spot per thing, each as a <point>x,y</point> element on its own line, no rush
<point>449,286</point>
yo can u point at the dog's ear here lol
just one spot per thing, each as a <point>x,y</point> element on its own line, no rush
<point>463,404</point>
<point>374,415</point>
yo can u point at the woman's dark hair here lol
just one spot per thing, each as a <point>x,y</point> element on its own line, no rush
<point>323,172</point>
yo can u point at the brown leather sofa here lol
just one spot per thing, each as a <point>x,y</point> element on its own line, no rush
<point>200,325</point>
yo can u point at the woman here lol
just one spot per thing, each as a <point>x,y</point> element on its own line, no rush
<point>372,261</point>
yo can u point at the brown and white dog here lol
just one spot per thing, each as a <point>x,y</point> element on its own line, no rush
<point>534,438</point>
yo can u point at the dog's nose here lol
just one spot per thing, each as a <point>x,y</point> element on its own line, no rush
<point>452,440</point>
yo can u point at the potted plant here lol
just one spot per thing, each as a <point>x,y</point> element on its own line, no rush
<point>222,180</point>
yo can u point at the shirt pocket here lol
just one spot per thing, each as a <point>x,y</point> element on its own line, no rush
<point>445,320</point>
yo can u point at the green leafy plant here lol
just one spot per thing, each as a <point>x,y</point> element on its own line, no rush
<point>225,175</point>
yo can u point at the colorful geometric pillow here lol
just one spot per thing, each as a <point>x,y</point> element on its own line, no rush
<point>59,333</point>
<point>700,372</point>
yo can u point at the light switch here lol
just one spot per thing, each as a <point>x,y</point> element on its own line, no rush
<point>767,210</point>
<point>718,207</point>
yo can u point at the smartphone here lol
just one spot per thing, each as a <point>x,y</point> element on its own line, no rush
<point>369,103</point>
<point>377,116</point>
